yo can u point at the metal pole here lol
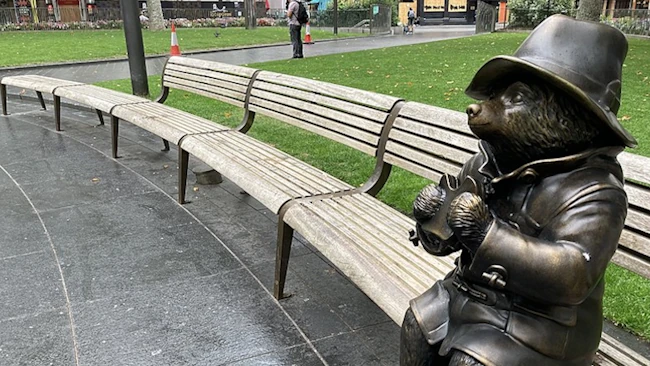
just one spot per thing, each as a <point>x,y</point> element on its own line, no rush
<point>336,16</point>
<point>134,47</point>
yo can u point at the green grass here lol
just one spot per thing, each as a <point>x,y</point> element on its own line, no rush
<point>434,73</point>
<point>34,47</point>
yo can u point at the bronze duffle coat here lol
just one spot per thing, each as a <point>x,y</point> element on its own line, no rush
<point>557,225</point>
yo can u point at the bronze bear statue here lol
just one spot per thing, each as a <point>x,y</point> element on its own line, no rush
<point>535,242</point>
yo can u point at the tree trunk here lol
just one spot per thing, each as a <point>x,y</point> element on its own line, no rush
<point>154,10</point>
<point>249,14</point>
<point>590,10</point>
<point>486,17</point>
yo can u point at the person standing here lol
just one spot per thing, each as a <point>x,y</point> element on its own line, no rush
<point>295,28</point>
<point>411,18</point>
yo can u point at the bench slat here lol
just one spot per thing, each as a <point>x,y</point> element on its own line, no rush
<point>269,175</point>
<point>316,98</point>
<point>429,132</point>
<point>635,167</point>
<point>39,83</point>
<point>310,113</point>
<point>448,119</point>
<point>234,91</point>
<point>362,97</point>
<point>260,106</point>
<point>239,102</point>
<point>637,243</point>
<point>97,97</point>
<point>616,353</point>
<point>428,146</point>
<point>208,76</point>
<point>396,154</point>
<point>166,122</point>
<point>212,65</point>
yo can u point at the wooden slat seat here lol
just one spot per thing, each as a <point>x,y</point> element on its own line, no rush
<point>269,175</point>
<point>169,123</point>
<point>97,97</point>
<point>369,242</point>
<point>38,83</point>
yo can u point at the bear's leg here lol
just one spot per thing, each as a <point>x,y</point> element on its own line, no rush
<point>459,358</point>
<point>414,348</point>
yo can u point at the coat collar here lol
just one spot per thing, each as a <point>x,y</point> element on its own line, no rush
<point>530,172</point>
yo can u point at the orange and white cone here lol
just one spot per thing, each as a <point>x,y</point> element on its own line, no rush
<point>175,50</point>
<point>307,35</point>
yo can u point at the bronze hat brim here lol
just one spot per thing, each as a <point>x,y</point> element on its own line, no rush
<point>499,67</point>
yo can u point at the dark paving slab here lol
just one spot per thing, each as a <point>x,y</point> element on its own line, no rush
<point>30,284</point>
<point>210,321</point>
<point>37,340</point>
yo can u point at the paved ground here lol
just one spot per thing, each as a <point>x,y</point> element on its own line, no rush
<point>100,265</point>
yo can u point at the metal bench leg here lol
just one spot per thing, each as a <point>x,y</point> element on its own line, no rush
<point>166,143</point>
<point>3,92</point>
<point>285,235</point>
<point>183,160</point>
<point>41,100</point>
<point>115,125</point>
<point>101,117</point>
<point>57,112</point>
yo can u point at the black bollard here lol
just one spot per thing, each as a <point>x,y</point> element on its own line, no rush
<point>134,47</point>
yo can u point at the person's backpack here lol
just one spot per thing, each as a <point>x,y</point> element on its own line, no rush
<point>303,16</point>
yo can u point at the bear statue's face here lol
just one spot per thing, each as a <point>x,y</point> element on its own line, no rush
<point>527,121</point>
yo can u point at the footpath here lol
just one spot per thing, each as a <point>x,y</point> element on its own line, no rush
<point>92,72</point>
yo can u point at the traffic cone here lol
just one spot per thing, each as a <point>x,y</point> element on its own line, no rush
<point>307,36</point>
<point>175,50</point>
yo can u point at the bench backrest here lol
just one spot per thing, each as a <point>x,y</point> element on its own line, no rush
<point>430,141</point>
<point>634,247</point>
<point>349,116</point>
<point>216,80</point>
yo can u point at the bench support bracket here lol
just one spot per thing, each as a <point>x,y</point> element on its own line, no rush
<point>100,115</point>
<point>3,92</point>
<point>41,100</point>
<point>285,235</point>
<point>115,125</point>
<point>183,160</point>
<point>57,112</point>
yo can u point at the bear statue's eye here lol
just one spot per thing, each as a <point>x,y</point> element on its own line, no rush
<point>517,99</point>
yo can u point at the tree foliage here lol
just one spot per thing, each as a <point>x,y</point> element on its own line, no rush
<point>529,13</point>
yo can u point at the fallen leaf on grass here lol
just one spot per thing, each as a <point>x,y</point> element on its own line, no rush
<point>626,118</point>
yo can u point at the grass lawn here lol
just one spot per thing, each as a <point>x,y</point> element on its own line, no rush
<point>34,47</point>
<point>434,73</point>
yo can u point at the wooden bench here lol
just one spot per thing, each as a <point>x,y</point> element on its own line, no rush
<point>368,241</point>
<point>365,238</point>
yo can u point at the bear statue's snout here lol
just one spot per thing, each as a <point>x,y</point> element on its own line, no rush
<point>473,110</point>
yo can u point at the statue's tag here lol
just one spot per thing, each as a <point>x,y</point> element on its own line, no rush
<point>437,225</point>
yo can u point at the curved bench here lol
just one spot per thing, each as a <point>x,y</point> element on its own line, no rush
<point>366,239</point>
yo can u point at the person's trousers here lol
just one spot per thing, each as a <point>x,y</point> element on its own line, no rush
<point>296,41</point>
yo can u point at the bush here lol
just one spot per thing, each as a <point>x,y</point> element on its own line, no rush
<point>630,25</point>
<point>117,24</point>
<point>529,13</point>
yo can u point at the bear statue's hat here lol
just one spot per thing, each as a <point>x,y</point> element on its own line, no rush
<point>582,58</point>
